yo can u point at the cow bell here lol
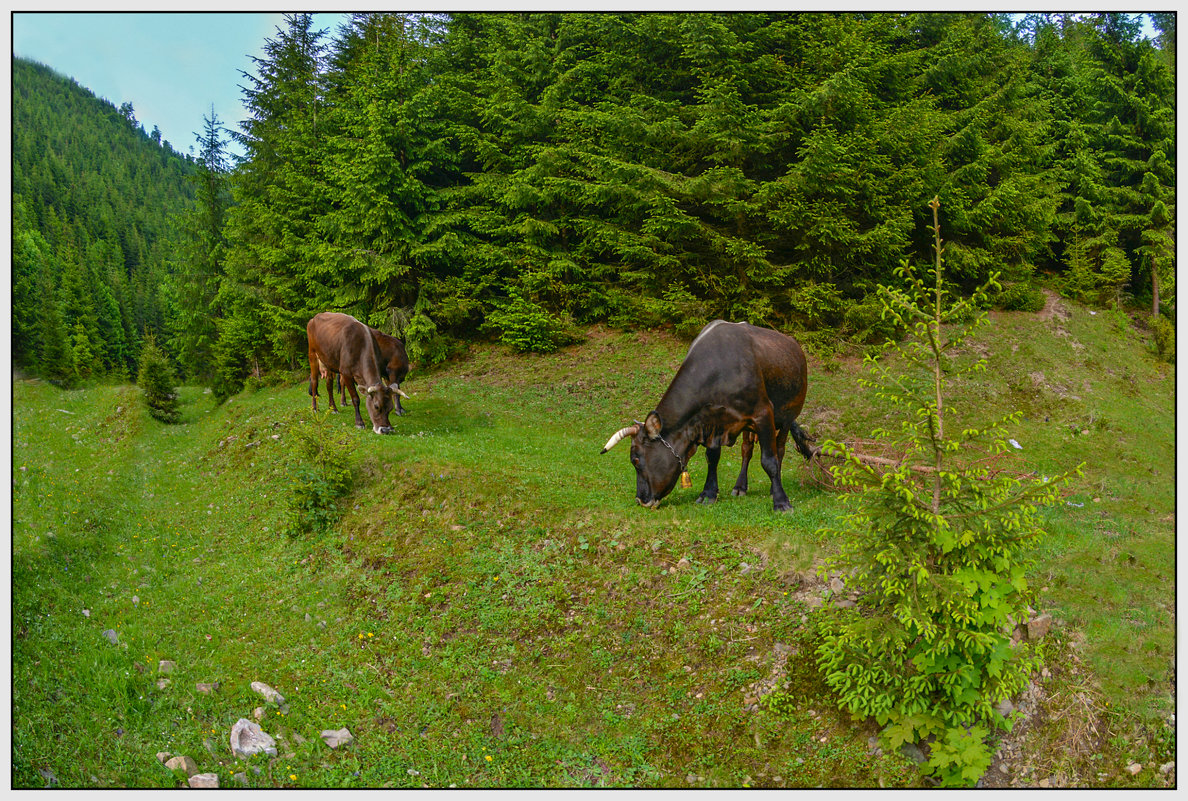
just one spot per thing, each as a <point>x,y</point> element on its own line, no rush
<point>686,482</point>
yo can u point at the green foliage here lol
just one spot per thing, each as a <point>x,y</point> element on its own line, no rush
<point>1020,297</point>
<point>93,197</point>
<point>1164,332</point>
<point>157,381</point>
<point>525,327</point>
<point>940,550</point>
<point>319,473</point>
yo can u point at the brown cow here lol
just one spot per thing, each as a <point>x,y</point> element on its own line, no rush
<point>340,343</point>
<point>393,362</point>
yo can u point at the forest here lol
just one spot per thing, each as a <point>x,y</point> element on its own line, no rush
<point>517,176</point>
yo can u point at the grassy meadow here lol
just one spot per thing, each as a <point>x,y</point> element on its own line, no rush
<point>492,608</point>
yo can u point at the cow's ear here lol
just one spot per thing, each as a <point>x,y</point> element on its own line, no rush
<point>652,425</point>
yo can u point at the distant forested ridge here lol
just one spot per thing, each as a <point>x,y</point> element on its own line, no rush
<point>446,177</point>
<point>93,228</point>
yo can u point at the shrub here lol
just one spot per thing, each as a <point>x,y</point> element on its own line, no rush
<point>156,380</point>
<point>1164,332</point>
<point>941,553</point>
<point>320,474</point>
<point>526,327</point>
<point>1020,297</point>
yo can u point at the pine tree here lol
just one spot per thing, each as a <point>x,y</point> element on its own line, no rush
<point>195,285</point>
<point>157,381</point>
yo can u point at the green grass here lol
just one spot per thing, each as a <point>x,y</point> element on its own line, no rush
<point>493,609</point>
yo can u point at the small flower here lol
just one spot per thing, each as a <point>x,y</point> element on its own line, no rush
<point>488,757</point>
<point>293,776</point>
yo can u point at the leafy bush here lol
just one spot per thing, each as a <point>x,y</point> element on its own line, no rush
<point>526,327</point>
<point>1020,297</point>
<point>941,553</point>
<point>320,473</point>
<point>156,380</point>
<point>867,324</point>
<point>1164,331</point>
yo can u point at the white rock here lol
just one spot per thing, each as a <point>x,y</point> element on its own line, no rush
<point>205,781</point>
<point>337,738</point>
<point>1167,767</point>
<point>1134,769</point>
<point>182,763</point>
<point>163,756</point>
<point>166,666</point>
<point>248,739</point>
<point>111,636</point>
<point>268,693</point>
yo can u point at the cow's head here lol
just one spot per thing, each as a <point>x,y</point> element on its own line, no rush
<point>379,405</point>
<point>656,461</point>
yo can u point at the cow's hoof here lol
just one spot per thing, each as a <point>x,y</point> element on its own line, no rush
<point>737,491</point>
<point>707,498</point>
<point>782,507</point>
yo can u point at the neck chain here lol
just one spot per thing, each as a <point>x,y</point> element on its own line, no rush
<point>680,461</point>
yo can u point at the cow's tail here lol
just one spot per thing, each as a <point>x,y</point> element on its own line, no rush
<point>802,441</point>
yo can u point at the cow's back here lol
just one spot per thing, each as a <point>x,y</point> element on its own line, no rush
<point>736,364</point>
<point>343,344</point>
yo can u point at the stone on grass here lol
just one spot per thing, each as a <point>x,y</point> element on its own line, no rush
<point>206,688</point>
<point>258,713</point>
<point>248,739</point>
<point>111,636</point>
<point>205,781</point>
<point>1039,627</point>
<point>163,756</point>
<point>182,763</point>
<point>268,693</point>
<point>337,738</point>
<point>1167,767</point>
<point>1134,768</point>
<point>240,778</point>
<point>166,666</point>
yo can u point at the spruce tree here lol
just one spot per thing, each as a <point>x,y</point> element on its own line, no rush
<point>157,381</point>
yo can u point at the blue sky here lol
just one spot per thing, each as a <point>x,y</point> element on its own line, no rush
<point>170,66</point>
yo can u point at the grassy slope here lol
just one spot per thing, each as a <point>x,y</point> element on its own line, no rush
<point>497,610</point>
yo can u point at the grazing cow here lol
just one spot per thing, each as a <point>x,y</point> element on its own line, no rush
<point>341,344</point>
<point>393,366</point>
<point>736,379</point>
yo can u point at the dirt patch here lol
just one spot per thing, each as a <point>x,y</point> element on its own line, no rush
<point>1054,308</point>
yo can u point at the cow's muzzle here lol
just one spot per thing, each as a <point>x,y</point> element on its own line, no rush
<point>652,504</point>
<point>382,429</point>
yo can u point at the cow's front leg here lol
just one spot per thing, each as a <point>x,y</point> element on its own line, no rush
<point>350,385</point>
<point>709,493</point>
<point>746,447</point>
<point>770,459</point>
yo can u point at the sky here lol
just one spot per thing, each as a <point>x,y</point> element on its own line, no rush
<point>170,66</point>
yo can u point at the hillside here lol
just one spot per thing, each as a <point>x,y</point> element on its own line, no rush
<point>491,608</point>
<point>93,231</point>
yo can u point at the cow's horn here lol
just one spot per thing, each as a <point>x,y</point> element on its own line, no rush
<point>629,431</point>
<point>396,388</point>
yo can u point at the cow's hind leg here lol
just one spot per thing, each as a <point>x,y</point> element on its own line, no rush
<point>770,446</point>
<point>709,493</point>
<point>746,447</point>
<point>313,380</point>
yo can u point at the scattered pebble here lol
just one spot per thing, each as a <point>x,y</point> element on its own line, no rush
<point>336,738</point>
<point>1134,769</point>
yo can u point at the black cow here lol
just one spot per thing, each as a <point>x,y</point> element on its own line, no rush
<point>736,379</point>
